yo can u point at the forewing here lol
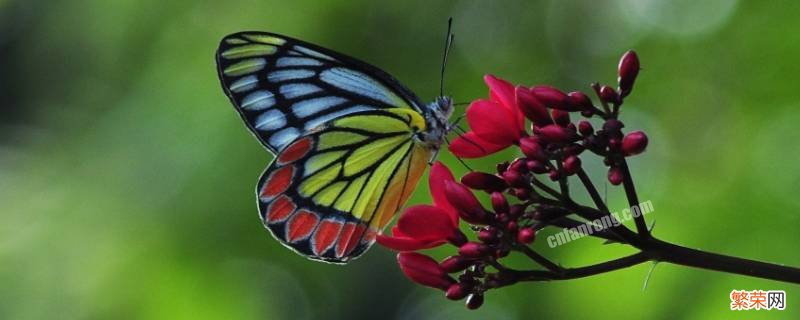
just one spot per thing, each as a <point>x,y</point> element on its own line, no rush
<point>283,87</point>
<point>332,190</point>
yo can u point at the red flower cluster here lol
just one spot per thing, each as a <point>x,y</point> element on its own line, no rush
<point>551,147</point>
<point>498,123</point>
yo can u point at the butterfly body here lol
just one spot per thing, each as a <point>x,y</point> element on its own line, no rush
<point>350,141</point>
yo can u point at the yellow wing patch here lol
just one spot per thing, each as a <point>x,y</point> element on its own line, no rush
<point>373,170</point>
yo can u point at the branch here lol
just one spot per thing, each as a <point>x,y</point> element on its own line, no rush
<point>539,259</point>
<point>664,251</point>
<point>587,183</point>
<point>633,199</point>
<point>574,273</point>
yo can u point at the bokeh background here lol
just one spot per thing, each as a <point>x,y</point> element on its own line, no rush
<point>126,178</point>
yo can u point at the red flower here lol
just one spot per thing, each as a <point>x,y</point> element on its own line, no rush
<point>465,203</point>
<point>424,270</point>
<point>423,226</point>
<point>420,227</point>
<point>496,123</point>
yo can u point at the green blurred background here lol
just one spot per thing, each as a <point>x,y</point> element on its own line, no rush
<point>126,178</point>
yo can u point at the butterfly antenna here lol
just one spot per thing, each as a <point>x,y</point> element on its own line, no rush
<point>460,132</point>
<point>459,158</point>
<point>458,119</point>
<point>448,42</point>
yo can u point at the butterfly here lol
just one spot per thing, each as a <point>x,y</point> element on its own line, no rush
<point>350,141</point>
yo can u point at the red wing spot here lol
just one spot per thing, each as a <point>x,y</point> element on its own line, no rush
<point>326,234</point>
<point>354,239</point>
<point>280,209</point>
<point>301,225</point>
<point>295,151</point>
<point>344,238</point>
<point>277,182</point>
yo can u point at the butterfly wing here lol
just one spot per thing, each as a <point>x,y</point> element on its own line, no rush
<point>333,189</point>
<point>283,87</point>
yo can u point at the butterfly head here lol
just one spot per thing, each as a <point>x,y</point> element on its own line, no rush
<point>437,122</point>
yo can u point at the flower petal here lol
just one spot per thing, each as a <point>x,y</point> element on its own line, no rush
<point>504,92</point>
<point>492,122</point>
<point>424,222</point>
<point>436,183</point>
<point>406,244</point>
<point>500,90</point>
<point>469,146</point>
<point>532,107</point>
<point>424,270</point>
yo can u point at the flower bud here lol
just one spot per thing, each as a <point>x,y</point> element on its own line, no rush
<point>526,235</point>
<point>560,117</point>
<point>555,134</point>
<point>499,202</point>
<point>457,238</point>
<point>456,291</point>
<point>634,143</point>
<point>473,250</point>
<point>628,69</point>
<point>511,226</point>
<point>487,236</point>
<point>483,181</point>
<point>613,125</point>
<point>580,101</point>
<point>465,203</point>
<point>453,264</point>
<point>552,97</point>
<point>537,167</point>
<point>424,270</point>
<point>571,165</point>
<point>573,149</point>
<point>554,176</point>
<point>513,178</point>
<point>531,148</point>
<point>474,301</point>
<point>519,166</point>
<point>608,94</point>
<point>585,128</point>
<point>522,193</point>
<point>531,107</point>
<point>615,175</point>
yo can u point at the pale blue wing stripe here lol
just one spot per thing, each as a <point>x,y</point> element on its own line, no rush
<point>244,84</point>
<point>313,53</point>
<point>271,120</point>
<point>284,75</point>
<point>297,62</point>
<point>310,107</point>
<point>294,90</point>
<point>258,100</point>
<point>359,83</point>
